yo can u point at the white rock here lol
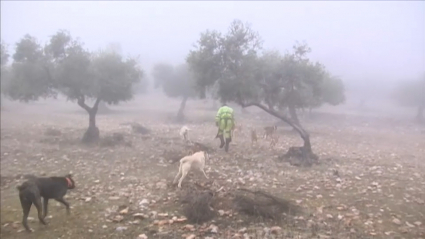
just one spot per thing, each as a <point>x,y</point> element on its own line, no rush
<point>396,221</point>
<point>120,229</point>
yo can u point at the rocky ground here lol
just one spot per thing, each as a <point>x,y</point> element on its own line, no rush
<point>370,182</point>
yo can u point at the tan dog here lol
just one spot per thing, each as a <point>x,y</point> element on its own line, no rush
<point>236,129</point>
<point>253,136</point>
<point>184,131</point>
<point>196,160</point>
<point>274,140</point>
<point>269,131</point>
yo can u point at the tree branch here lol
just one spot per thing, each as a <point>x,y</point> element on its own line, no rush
<point>298,128</point>
<point>82,104</point>
<point>96,104</point>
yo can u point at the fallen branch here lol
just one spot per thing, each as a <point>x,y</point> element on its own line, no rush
<point>260,203</point>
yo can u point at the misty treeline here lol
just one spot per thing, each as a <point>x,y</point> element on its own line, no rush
<point>229,67</point>
<point>412,94</point>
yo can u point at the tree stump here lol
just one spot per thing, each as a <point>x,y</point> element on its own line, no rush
<point>300,156</point>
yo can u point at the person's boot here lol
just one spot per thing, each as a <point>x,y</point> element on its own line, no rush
<point>222,141</point>
<point>227,145</point>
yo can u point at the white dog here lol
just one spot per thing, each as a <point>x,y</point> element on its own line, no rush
<point>184,132</point>
<point>196,160</point>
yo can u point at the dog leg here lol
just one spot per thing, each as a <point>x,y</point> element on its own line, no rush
<point>184,174</point>
<point>45,203</point>
<point>202,169</point>
<point>180,170</point>
<point>204,173</point>
<point>61,200</point>
<point>26,206</point>
<point>37,204</point>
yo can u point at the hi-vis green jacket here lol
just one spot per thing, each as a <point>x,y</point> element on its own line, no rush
<point>225,120</point>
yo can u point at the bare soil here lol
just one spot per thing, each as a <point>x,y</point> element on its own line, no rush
<point>370,181</point>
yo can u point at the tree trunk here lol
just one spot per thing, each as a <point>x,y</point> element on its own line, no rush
<point>180,113</point>
<point>299,156</point>
<point>92,133</point>
<point>293,114</point>
<point>420,114</point>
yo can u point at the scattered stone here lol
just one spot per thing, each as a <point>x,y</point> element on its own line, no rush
<point>140,216</point>
<point>191,236</point>
<point>120,229</point>
<point>124,211</point>
<point>213,228</point>
<point>189,227</point>
<point>161,185</point>
<point>396,221</point>
<point>275,230</point>
<point>118,218</point>
<point>142,236</point>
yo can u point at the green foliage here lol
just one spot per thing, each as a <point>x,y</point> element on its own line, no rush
<point>29,78</point>
<point>64,66</point>
<point>232,66</point>
<point>4,54</point>
<point>226,61</point>
<point>5,69</point>
<point>333,90</point>
<point>113,77</point>
<point>175,81</point>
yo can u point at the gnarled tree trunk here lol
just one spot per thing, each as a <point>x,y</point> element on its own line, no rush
<point>293,114</point>
<point>299,156</point>
<point>180,113</point>
<point>92,133</point>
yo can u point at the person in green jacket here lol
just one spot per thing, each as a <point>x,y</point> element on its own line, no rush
<point>225,122</point>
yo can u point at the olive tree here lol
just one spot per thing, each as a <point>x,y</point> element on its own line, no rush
<point>4,67</point>
<point>64,66</point>
<point>233,62</point>
<point>176,82</point>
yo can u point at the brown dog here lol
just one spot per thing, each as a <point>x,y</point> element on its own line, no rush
<point>31,192</point>
<point>269,131</point>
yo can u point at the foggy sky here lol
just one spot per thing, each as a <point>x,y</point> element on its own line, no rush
<point>355,40</point>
